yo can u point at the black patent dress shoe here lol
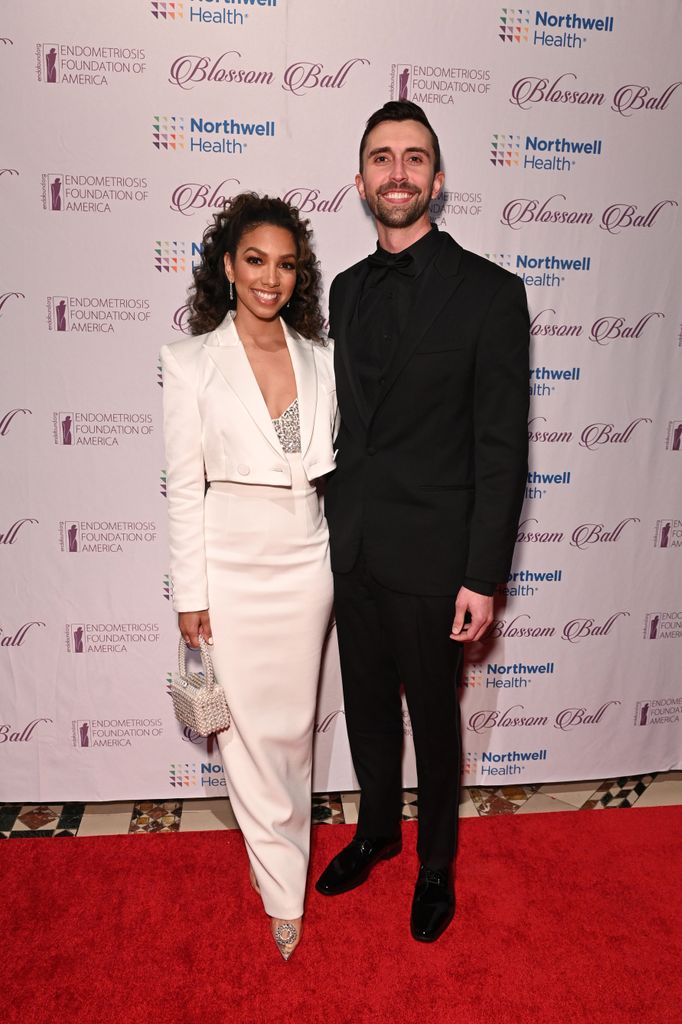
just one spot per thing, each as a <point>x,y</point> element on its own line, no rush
<point>353,864</point>
<point>433,905</point>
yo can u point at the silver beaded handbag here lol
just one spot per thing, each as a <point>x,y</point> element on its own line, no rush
<point>198,701</point>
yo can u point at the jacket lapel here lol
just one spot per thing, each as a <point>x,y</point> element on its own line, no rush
<point>343,327</point>
<point>435,287</point>
<point>227,352</point>
<point>303,362</point>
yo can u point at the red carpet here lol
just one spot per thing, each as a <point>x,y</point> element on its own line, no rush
<point>562,918</point>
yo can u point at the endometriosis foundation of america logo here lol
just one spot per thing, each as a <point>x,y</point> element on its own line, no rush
<point>514,24</point>
<point>168,131</point>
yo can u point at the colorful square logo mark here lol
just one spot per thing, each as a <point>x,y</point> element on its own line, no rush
<point>472,675</point>
<point>167,10</point>
<point>182,774</point>
<point>169,257</point>
<point>168,131</point>
<point>514,24</point>
<point>505,150</point>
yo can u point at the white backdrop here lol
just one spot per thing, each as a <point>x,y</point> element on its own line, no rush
<point>125,126</point>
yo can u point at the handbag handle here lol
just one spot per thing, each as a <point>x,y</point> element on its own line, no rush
<point>206,662</point>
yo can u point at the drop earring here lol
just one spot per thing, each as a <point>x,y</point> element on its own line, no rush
<point>231,292</point>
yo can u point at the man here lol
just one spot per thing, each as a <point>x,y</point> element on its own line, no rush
<point>432,381</point>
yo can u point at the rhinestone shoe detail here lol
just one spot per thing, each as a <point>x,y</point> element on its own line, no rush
<point>287,937</point>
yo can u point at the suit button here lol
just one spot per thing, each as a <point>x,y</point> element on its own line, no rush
<point>371,450</point>
<point>243,469</point>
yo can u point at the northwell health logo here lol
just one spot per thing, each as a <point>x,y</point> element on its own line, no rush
<point>540,153</point>
<point>204,135</point>
<point>185,774</point>
<point>511,762</point>
<point>544,28</point>
<point>513,676</point>
<point>194,11</point>
<point>541,270</point>
<point>526,582</point>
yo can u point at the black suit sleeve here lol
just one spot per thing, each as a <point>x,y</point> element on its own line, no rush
<point>479,586</point>
<point>333,295</point>
<point>500,433</point>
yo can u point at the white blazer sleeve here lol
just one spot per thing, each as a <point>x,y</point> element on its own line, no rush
<point>185,486</point>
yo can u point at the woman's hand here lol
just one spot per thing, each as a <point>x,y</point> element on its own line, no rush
<point>192,625</point>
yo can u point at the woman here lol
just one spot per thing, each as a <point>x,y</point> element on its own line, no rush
<point>250,407</point>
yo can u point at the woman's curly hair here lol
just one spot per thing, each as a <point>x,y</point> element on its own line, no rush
<point>209,299</point>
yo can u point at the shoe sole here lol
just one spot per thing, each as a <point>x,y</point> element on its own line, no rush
<point>363,878</point>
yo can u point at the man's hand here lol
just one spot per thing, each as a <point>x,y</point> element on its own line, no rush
<point>192,625</point>
<point>480,608</point>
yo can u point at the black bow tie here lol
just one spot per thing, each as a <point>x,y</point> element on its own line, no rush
<point>402,262</point>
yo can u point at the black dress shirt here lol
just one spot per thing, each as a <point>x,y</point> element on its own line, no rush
<point>382,309</point>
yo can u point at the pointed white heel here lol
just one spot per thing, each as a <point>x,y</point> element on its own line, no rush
<point>287,935</point>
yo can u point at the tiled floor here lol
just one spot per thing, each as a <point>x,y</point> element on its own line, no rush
<point>22,821</point>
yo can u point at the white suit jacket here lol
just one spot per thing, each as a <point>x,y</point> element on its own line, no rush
<point>217,427</point>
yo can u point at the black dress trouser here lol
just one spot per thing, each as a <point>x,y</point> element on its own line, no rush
<point>388,640</point>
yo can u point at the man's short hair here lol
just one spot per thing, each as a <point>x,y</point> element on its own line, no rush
<point>401,110</point>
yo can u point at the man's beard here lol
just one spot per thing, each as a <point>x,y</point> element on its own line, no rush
<point>398,216</point>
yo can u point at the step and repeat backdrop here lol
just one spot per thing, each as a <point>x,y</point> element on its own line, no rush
<point>125,127</point>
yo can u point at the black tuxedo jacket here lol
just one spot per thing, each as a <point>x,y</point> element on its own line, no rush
<point>430,481</point>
